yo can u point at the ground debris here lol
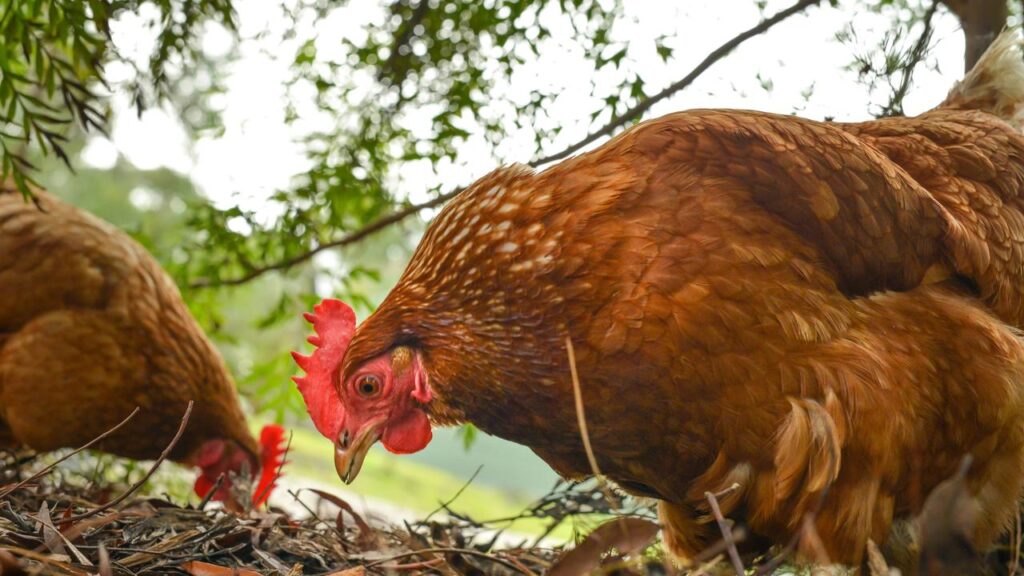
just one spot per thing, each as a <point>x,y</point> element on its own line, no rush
<point>63,523</point>
<point>49,526</point>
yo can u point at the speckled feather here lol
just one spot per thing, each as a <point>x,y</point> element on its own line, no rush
<point>753,298</point>
<point>90,328</point>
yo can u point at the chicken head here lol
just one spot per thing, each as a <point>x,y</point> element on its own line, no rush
<point>382,399</point>
<point>226,458</point>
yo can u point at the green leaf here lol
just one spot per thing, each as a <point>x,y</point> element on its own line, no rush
<point>468,434</point>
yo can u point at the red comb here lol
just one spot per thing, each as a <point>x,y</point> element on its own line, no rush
<point>272,449</point>
<point>334,323</point>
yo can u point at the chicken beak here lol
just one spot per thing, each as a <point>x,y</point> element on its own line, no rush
<point>349,452</point>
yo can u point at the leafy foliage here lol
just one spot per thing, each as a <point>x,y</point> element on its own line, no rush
<point>445,58</point>
<point>892,63</point>
<point>52,58</point>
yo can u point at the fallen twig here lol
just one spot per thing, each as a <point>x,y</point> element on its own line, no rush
<point>152,469</point>
<point>446,504</point>
<point>730,544</point>
<point>466,551</point>
<point>211,492</point>
<point>581,417</point>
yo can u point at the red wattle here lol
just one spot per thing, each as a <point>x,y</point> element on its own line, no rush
<point>409,433</point>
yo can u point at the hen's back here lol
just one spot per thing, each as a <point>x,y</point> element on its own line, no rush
<point>54,257</point>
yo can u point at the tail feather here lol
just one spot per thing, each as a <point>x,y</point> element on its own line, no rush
<point>996,83</point>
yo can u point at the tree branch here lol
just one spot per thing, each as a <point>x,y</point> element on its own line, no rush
<point>345,240</point>
<point>630,115</point>
<point>917,54</point>
<point>716,55</point>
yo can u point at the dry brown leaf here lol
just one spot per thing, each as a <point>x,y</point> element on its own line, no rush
<point>197,568</point>
<point>163,546</point>
<point>627,535</point>
<point>51,537</point>
<point>272,562</point>
<point>366,534</point>
<point>55,541</point>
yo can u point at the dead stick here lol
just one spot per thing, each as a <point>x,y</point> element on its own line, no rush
<point>88,445</point>
<point>414,565</point>
<point>211,492</point>
<point>144,479</point>
<point>465,551</point>
<point>445,505</point>
<point>738,535</point>
<point>734,554</point>
<point>581,417</point>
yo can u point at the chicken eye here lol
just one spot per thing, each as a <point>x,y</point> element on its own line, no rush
<point>368,385</point>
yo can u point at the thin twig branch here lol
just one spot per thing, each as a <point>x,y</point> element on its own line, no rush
<point>211,492</point>
<point>917,54</point>
<point>632,114</point>
<point>345,240</point>
<point>444,505</point>
<point>465,551</point>
<point>90,444</point>
<point>723,526</point>
<point>152,469</point>
<point>643,106</point>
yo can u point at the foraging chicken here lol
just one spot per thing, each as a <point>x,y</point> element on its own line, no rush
<point>90,328</point>
<point>825,314</point>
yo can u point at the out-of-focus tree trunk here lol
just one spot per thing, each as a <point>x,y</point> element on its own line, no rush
<point>982,20</point>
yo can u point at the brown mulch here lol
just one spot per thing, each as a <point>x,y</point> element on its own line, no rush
<point>63,524</point>
<point>57,522</point>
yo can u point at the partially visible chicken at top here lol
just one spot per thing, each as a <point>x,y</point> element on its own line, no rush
<point>90,328</point>
<point>824,314</point>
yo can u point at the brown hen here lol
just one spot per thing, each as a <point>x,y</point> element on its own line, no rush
<point>789,305</point>
<point>90,328</point>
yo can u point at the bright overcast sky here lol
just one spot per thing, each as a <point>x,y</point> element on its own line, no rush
<point>257,153</point>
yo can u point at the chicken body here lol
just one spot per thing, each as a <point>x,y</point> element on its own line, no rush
<point>90,328</point>
<point>780,303</point>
